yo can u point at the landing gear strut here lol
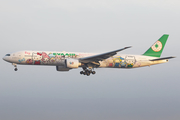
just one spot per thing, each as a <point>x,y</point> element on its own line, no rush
<point>87,71</point>
<point>15,65</point>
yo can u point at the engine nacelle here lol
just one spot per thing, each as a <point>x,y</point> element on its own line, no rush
<point>68,64</point>
<point>72,63</point>
<point>62,68</point>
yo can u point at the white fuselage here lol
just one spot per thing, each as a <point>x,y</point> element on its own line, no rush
<point>54,58</point>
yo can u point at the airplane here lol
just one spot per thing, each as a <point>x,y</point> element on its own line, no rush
<point>65,61</point>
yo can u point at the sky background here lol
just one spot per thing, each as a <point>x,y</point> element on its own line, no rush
<point>42,93</point>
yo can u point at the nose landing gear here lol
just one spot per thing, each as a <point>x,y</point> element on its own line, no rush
<point>15,65</point>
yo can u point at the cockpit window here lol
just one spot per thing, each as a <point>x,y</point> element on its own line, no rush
<point>7,54</point>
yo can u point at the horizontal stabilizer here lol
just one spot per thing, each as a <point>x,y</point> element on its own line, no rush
<point>162,58</point>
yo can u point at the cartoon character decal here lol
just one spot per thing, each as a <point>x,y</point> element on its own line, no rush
<point>109,62</point>
<point>45,58</point>
<point>119,62</point>
<point>52,60</point>
<point>37,57</point>
<point>116,62</point>
<point>29,61</point>
<point>122,62</point>
<point>22,60</point>
<point>130,61</point>
<point>51,55</point>
<point>62,57</point>
<point>58,59</point>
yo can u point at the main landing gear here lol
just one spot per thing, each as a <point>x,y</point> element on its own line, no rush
<point>87,71</point>
<point>15,65</point>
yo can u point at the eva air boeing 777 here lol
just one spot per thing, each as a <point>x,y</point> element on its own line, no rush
<point>65,61</point>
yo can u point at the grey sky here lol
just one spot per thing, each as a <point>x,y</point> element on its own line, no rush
<point>42,93</point>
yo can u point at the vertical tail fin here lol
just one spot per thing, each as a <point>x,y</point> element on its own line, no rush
<point>156,49</point>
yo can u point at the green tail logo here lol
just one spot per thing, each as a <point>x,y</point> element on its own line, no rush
<point>156,49</point>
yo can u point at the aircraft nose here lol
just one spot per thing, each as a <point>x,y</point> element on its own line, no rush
<point>4,58</point>
<point>7,58</point>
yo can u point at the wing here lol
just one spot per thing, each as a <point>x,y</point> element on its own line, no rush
<point>100,57</point>
<point>162,58</point>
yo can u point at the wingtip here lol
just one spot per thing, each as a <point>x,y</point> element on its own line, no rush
<point>128,47</point>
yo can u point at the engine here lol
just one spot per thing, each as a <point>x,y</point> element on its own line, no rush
<point>68,64</point>
<point>62,68</point>
<point>72,63</point>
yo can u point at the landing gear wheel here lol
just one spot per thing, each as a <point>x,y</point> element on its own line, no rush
<point>88,73</point>
<point>81,72</point>
<point>15,69</point>
<point>93,72</point>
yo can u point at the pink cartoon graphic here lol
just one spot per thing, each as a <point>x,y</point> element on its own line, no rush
<point>29,61</point>
<point>52,60</point>
<point>37,57</point>
<point>58,59</point>
<point>45,58</point>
